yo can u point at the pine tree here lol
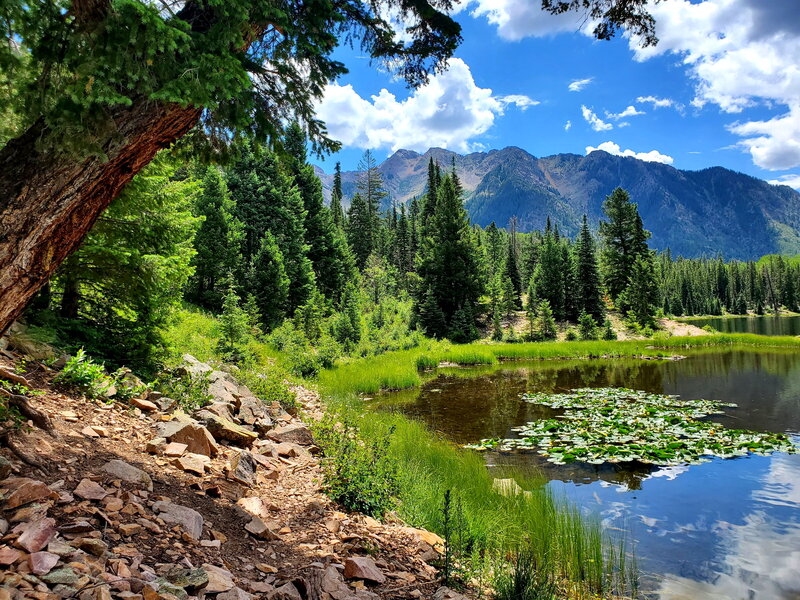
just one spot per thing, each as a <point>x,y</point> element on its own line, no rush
<point>234,326</point>
<point>588,294</point>
<point>448,267</point>
<point>512,266</point>
<point>545,322</point>
<point>360,230</point>
<point>337,212</point>
<point>268,282</point>
<point>640,296</point>
<point>217,242</point>
<point>548,276</point>
<point>625,239</point>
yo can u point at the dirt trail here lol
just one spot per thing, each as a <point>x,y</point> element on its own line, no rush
<point>303,548</point>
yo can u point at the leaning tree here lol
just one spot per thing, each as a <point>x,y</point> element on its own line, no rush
<point>97,87</point>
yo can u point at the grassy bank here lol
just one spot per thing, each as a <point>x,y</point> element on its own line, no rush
<point>399,370</point>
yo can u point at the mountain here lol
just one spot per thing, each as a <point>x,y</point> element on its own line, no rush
<point>693,213</point>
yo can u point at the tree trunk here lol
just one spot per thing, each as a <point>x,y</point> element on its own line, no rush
<point>48,202</point>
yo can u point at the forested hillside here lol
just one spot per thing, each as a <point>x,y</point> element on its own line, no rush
<point>693,213</point>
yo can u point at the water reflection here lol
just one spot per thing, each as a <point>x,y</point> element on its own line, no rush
<point>765,325</point>
<point>724,529</point>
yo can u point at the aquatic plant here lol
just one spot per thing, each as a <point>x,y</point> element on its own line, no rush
<point>621,425</point>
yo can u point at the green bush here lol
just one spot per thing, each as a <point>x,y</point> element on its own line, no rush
<point>608,331</point>
<point>587,327</point>
<point>359,475</point>
<point>85,375</point>
<point>571,335</point>
<point>190,392</point>
<point>524,579</point>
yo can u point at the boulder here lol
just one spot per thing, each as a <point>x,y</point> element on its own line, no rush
<point>252,410</point>
<point>174,449</point>
<point>285,592</point>
<point>192,463</point>
<point>35,535</point>
<point>89,490</point>
<point>144,405</point>
<point>242,468</point>
<point>42,563</point>
<point>222,389</point>
<point>219,580</point>
<point>266,530</point>
<point>24,491</point>
<point>254,506</point>
<point>189,519</point>
<point>189,579</point>
<point>119,469</point>
<point>227,430</point>
<point>235,593</point>
<point>363,567</point>
<point>156,445</point>
<point>294,433</point>
<point>194,368</point>
<point>221,409</point>
<point>197,438</point>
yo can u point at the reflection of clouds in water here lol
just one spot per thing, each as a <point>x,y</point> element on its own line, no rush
<point>670,473</point>
<point>782,482</point>
<point>762,555</point>
<point>763,561</point>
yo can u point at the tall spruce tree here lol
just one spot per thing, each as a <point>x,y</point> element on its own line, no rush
<point>450,279</point>
<point>268,283</point>
<point>624,240</point>
<point>337,212</point>
<point>512,264</point>
<point>217,242</point>
<point>360,230</point>
<point>588,293</point>
<point>548,276</point>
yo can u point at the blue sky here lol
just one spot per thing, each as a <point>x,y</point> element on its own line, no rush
<point>722,88</point>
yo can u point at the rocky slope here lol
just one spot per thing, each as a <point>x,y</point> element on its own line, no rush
<point>694,213</point>
<point>145,502</point>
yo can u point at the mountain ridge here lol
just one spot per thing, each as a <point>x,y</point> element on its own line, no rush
<point>693,213</point>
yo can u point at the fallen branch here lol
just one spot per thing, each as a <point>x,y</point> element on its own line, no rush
<point>13,377</point>
<point>37,417</point>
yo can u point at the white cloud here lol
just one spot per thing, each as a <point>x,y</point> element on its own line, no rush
<point>628,112</point>
<point>449,111</point>
<point>792,180</point>
<point>567,125</point>
<point>518,19</point>
<point>656,102</point>
<point>741,53</point>
<point>612,148</point>
<point>521,101</point>
<point>578,84</point>
<point>594,121</point>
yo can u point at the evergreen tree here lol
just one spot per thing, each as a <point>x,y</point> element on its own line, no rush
<point>234,327</point>
<point>588,294</point>
<point>268,282</point>
<point>512,267</point>
<point>360,230</point>
<point>217,242</point>
<point>624,240</point>
<point>448,268</point>
<point>545,322</point>
<point>337,212</point>
<point>548,276</point>
<point>640,296</point>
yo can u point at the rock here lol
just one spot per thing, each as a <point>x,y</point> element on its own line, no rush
<point>24,491</point>
<point>189,579</point>
<point>254,506</point>
<point>192,463</point>
<point>80,526</point>
<point>227,430</point>
<point>99,429</point>
<point>91,546</point>
<point>8,555</point>
<point>210,543</point>
<point>219,580</point>
<point>266,530</point>
<point>445,593</point>
<point>235,594</point>
<point>254,412</point>
<point>89,490</point>
<point>285,592</point>
<point>166,404</point>
<point>144,405</point>
<point>42,563</point>
<point>291,450</point>
<point>194,368</point>
<point>242,468</point>
<point>129,529</point>
<point>174,449</point>
<point>190,520</point>
<point>506,487</point>
<point>295,433</point>
<point>156,445</point>
<point>127,472</point>
<point>35,535</point>
<point>363,567</point>
<point>197,438</point>
<point>5,467</point>
<point>90,432</point>
<point>64,576</point>
<point>221,409</point>
<point>168,591</point>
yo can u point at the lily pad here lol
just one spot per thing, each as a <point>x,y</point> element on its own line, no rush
<point>621,425</point>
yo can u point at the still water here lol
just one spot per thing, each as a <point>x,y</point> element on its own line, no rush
<point>765,325</point>
<point>725,529</point>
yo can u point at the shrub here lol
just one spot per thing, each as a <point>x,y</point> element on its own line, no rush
<point>572,334</point>
<point>524,579</point>
<point>608,331</point>
<point>85,375</point>
<point>190,392</point>
<point>358,474</point>
<point>587,327</point>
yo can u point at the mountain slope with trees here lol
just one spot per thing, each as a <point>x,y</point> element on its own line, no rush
<point>693,213</point>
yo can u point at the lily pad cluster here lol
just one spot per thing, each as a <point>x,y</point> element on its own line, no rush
<point>618,425</point>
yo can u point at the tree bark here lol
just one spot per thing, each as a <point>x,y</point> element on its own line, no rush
<point>48,202</point>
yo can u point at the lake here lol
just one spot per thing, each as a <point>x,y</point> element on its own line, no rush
<point>765,325</point>
<point>724,529</point>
